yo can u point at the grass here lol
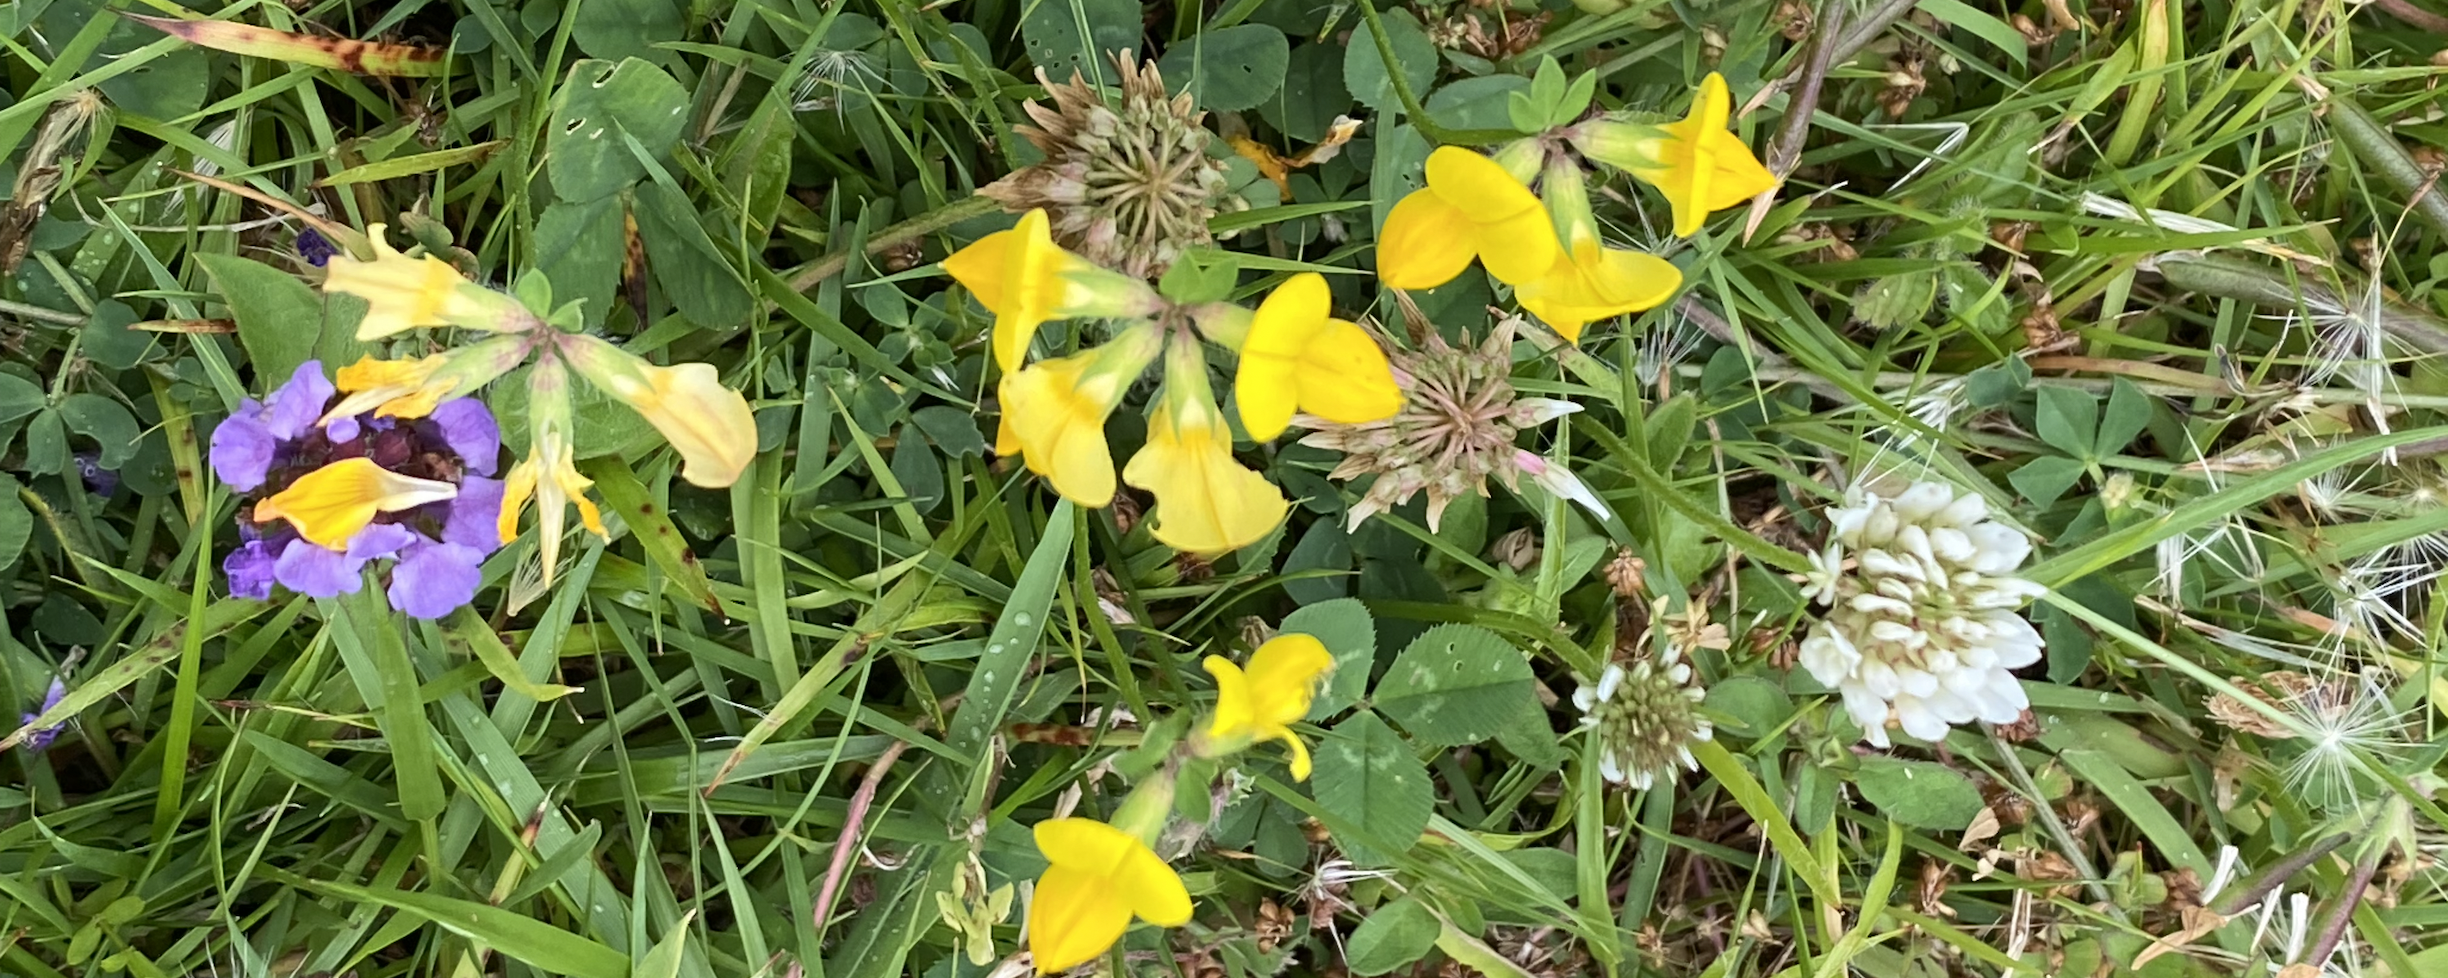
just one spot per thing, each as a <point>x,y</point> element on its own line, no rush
<point>2158,280</point>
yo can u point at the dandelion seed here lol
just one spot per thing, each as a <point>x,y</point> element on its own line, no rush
<point>1664,347</point>
<point>2349,723</point>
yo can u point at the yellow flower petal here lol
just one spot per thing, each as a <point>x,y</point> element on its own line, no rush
<point>1206,503</point>
<point>1593,282</point>
<point>517,488</point>
<point>707,423</point>
<point>1295,357</point>
<point>1235,707</point>
<point>1300,754</point>
<point>1098,877</point>
<point>1513,234</point>
<point>1283,676</point>
<point>1704,168</point>
<point>1425,242</point>
<point>404,293</point>
<point>330,504</point>
<point>1056,410</point>
<point>390,388</point>
<point>1024,278</point>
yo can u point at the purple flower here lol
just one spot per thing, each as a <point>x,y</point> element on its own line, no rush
<point>40,740</point>
<point>314,247</point>
<point>435,552</point>
<point>103,482</point>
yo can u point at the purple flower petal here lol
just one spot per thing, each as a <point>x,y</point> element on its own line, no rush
<point>315,572</point>
<point>435,579</point>
<point>298,404</point>
<point>250,570</point>
<point>469,429</point>
<point>380,540</point>
<point>475,516</point>
<point>242,447</point>
<point>341,429</point>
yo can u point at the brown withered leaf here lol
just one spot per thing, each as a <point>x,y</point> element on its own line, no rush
<point>633,265</point>
<point>336,53</point>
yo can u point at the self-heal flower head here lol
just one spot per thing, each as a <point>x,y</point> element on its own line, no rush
<point>1054,412</point>
<point>413,388</point>
<point>1590,281</point>
<point>404,293</point>
<point>1206,502</point>
<point>1922,627</point>
<point>332,499</point>
<point>1297,357</point>
<point>1025,279</point>
<point>707,423</point>
<point>1699,165</point>
<point>1097,878</point>
<point>549,473</point>
<point>1263,701</point>
<point>1472,207</point>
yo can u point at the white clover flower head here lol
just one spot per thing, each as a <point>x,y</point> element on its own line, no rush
<point>1924,628</point>
<point>1646,716</point>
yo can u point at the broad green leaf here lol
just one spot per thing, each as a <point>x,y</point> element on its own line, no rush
<point>274,312</point>
<point>16,522</point>
<point>1391,937</point>
<point>2045,478</point>
<point>1364,70</point>
<point>19,397</point>
<point>105,421</point>
<point>1344,626</point>
<point>2068,419</point>
<point>468,630</point>
<point>1312,95</point>
<point>578,247</point>
<point>1064,36</point>
<point>1921,794</point>
<point>693,274</point>
<point>1458,684</point>
<point>1230,69</point>
<point>622,29</point>
<point>1368,778</point>
<point>597,103</point>
<point>2129,410</point>
<point>1012,644</point>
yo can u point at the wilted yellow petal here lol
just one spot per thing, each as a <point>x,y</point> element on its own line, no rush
<point>330,504</point>
<point>336,53</point>
<point>413,388</point>
<point>707,423</point>
<point>517,488</point>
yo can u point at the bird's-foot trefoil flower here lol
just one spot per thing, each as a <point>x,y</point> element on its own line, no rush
<point>1024,278</point>
<point>404,293</point>
<point>1206,502</point>
<point>1098,876</point>
<point>1472,207</point>
<point>1590,281</point>
<point>549,473</point>
<point>1263,701</point>
<point>329,499</point>
<point>1295,356</point>
<point>707,423</point>
<point>1699,165</point>
<point>1054,412</point>
<point>413,388</point>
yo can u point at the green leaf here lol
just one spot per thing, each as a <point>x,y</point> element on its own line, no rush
<point>1012,644</point>
<point>219,617</point>
<point>1459,684</point>
<point>2129,410</point>
<point>619,29</point>
<point>542,946</point>
<point>19,397</point>
<point>1347,630</point>
<point>2067,420</point>
<point>1921,794</point>
<point>468,631</point>
<point>46,444</point>
<point>694,274</point>
<point>16,522</point>
<point>952,429</point>
<point>1980,24</point>
<point>1230,69</point>
<point>1064,36</point>
<point>758,164</point>
<point>598,102</point>
<point>1367,777</point>
<point>1312,95</point>
<point>1752,704</point>
<point>270,306</point>
<point>663,960</point>
<point>2043,479</point>
<point>578,247</point>
<point>106,422</point>
<point>1391,937</point>
<point>1364,71</point>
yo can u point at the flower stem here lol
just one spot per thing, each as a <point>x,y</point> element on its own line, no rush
<point>894,237</point>
<point>1410,100</point>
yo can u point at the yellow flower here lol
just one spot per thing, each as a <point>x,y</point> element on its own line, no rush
<point>549,474</point>
<point>1472,207</point>
<point>404,293</point>
<point>1590,281</point>
<point>330,504</point>
<point>413,388</point>
<point>1024,278</point>
<point>1699,165</point>
<point>1274,693</point>
<point>1206,503</point>
<point>1298,357</point>
<point>1055,411</point>
<point>708,423</point>
<point>1097,878</point>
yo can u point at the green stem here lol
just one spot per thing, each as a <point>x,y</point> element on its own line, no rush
<point>1410,100</point>
<point>894,237</point>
